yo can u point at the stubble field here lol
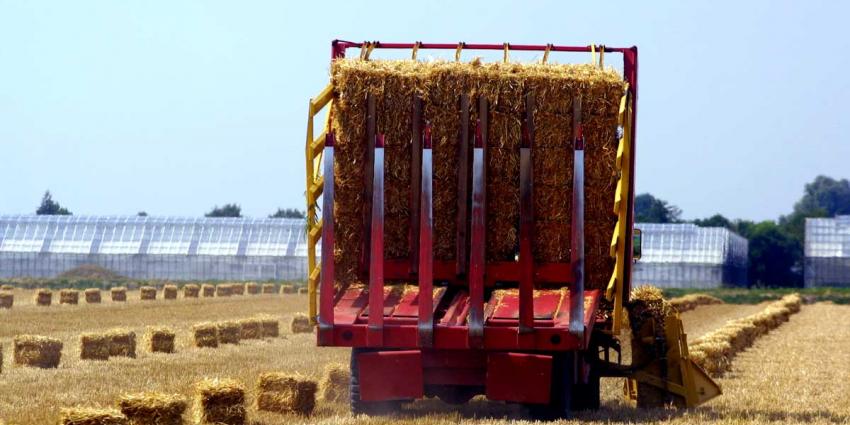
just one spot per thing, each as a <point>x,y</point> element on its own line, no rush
<point>799,373</point>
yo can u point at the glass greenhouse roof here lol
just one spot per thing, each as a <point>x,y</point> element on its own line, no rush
<point>688,243</point>
<point>152,235</point>
<point>828,237</point>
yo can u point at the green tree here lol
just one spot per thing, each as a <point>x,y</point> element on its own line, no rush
<point>50,207</point>
<point>649,209</point>
<point>142,214</point>
<point>227,210</point>
<point>773,255</point>
<point>717,220</point>
<point>288,213</point>
<point>824,197</point>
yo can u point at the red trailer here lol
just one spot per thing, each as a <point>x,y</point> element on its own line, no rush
<point>467,327</point>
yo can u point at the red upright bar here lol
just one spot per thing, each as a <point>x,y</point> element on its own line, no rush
<point>426,260</point>
<point>477,254</point>
<point>376,263</point>
<point>526,229</point>
<point>326,309</point>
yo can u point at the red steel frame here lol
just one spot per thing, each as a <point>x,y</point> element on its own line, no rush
<point>338,321</point>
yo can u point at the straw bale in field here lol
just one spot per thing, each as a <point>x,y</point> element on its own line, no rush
<point>252,288</point>
<point>287,289</point>
<point>91,416</point>
<point>284,393</point>
<point>692,301</point>
<point>43,297</point>
<point>37,351</point>
<point>301,324</point>
<point>220,401</point>
<point>169,292</point>
<point>151,408</point>
<point>7,288</point>
<point>7,299</point>
<point>251,329</point>
<point>160,340</point>
<point>119,294</point>
<point>303,291</point>
<point>223,290</point>
<point>228,332</point>
<point>92,296</point>
<point>207,290</point>
<point>237,289</point>
<point>205,334</point>
<point>268,288</point>
<point>122,343</point>
<point>94,346</point>
<point>191,290</point>
<point>147,293</point>
<point>271,326</point>
<point>69,296</point>
<point>393,84</point>
<point>334,384</point>
<point>647,303</point>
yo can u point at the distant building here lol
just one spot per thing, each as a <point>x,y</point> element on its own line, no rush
<point>827,251</point>
<point>170,248</point>
<point>689,256</point>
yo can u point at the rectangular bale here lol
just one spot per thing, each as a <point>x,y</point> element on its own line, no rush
<point>285,393</point>
<point>205,335</point>
<point>334,384</point>
<point>223,290</point>
<point>43,297</point>
<point>269,288</point>
<point>92,296</point>
<point>94,346</point>
<point>270,326</point>
<point>91,416</point>
<point>169,292</point>
<point>220,401</point>
<point>37,351</point>
<point>191,290</point>
<point>303,291</point>
<point>122,343</point>
<point>147,293</point>
<point>7,288</point>
<point>160,340</point>
<point>152,408</point>
<point>207,290</point>
<point>229,332</point>
<point>69,296</point>
<point>237,289</point>
<point>287,289</point>
<point>119,294</point>
<point>7,299</point>
<point>301,324</point>
<point>251,329</point>
<point>252,288</point>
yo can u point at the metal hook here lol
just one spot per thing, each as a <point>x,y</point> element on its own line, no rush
<point>507,55</point>
<point>457,52</point>
<point>602,56</point>
<point>415,50</point>
<point>546,53</point>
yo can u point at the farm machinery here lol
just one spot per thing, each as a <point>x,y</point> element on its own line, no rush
<point>476,233</point>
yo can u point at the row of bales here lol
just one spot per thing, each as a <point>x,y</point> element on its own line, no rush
<point>220,401</point>
<point>46,352</point>
<point>44,297</point>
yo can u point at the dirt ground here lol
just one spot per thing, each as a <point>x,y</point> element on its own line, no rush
<point>796,374</point>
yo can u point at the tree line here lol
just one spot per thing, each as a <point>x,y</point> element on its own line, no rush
<point>776,254</point>
<point>50,207</point>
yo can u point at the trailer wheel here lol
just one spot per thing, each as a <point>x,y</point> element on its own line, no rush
<point>358,406</point>
<point>454,394</point>
<point>561,392</point>
<point>586,396</point>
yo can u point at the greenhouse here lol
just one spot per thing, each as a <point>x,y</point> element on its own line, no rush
<point>827,251</point>
<point>154,247</point>
<point>688,256</point>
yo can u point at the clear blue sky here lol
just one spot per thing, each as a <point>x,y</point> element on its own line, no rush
<point>174,106</point>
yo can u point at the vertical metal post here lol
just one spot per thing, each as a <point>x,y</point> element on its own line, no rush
<point>462,255</point>
<point>415,182</point>
<point>577,245</point>
<point>526,229</point>
<point>326,312</point>
<point>376,264</point>
<point>367,182</point>
<point>426,255</point>
<point>477,254</point>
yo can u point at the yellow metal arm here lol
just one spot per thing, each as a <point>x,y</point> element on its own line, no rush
<point>314,148</point>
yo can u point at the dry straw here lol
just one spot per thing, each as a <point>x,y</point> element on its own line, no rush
<point>270,325</point>
<point>284,393</point>
<point>715,351</point>
<point>7,299</point>
<point>191,290</point>
<point>151,408</point>
<point>251,329</point>
<point>692,301</point>
<point>43,297</point>
<point>92,296</point>
<point>440,84</point>
<point>268,288</point>
<point>229,332</point>
<point>7,288</point>
<point>119,294</point>
<point>147,293</point>
<point>301,324</point>
<point>205,334</point>
<point>252,288</point>
<point>94,346</point>
<point>287,289</point>
<point>160,340</point>
<point>169,292</point>
<point>91,416</point>
<point>122,343</point>
<point>69,296</point>
<point>303,291</point>
<point>220,401</point>
<point>37,351</point>
<point>237,289</point>
<point>207,290</point>
<point>334,384</point>
<point>223,290</point>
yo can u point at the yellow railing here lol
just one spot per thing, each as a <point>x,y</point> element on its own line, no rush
<point>621,206</point>
<point>314,148</point>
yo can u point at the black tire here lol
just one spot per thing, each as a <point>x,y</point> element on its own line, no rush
<point>454,394</point>
<point>561,392</point>
<point>586,395</point>
<point>358,406</point>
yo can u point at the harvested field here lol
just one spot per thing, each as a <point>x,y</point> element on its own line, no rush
<point>787,376</point>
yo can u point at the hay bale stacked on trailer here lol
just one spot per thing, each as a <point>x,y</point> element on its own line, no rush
<point>220,401</point>
<point>151,408</point>
<point>119,294</point>
<point>37,351</point>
